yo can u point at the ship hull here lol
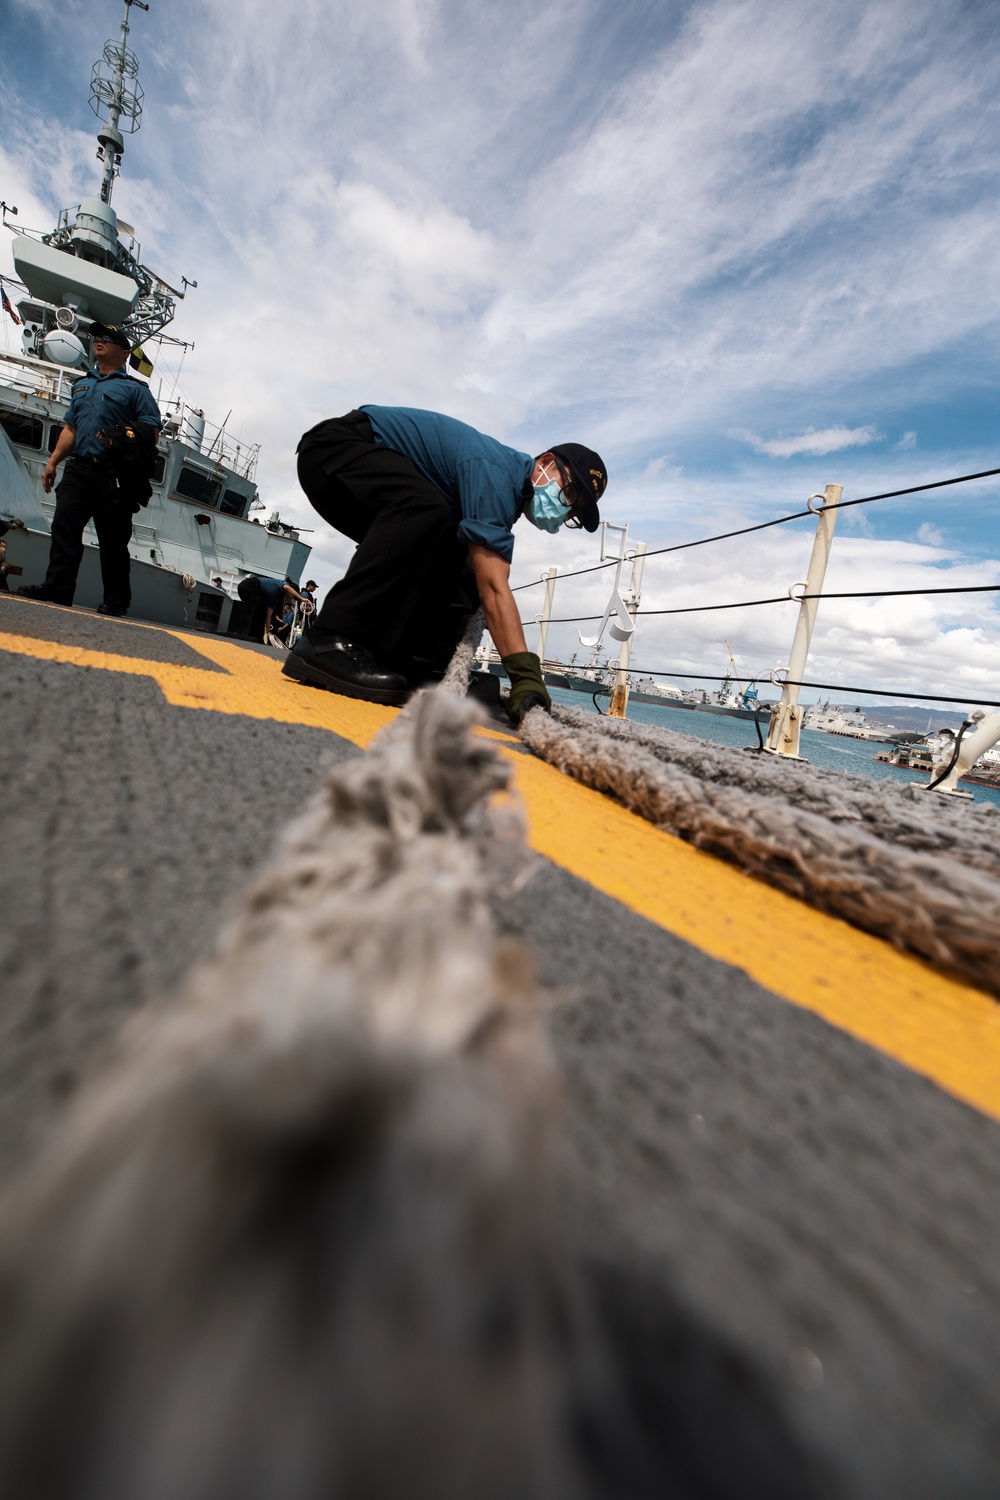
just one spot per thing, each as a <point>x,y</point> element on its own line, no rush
<point>185,532</point>
<point>158,595</point>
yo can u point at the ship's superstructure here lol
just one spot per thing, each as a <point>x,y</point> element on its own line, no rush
<point>198,535</point>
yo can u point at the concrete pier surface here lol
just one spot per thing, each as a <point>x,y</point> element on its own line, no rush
<point>782,1139</point>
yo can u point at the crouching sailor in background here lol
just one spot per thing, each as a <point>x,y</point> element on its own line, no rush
<point>275,595</point>
<point>431,503</point>
<point>106,404</point>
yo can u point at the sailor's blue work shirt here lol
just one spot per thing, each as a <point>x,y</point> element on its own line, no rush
<point>273,590</point>
<point>98,400</point>
<point>483,480</point>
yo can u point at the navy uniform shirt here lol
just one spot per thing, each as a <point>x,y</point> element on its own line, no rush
<point>102,399</point>
<point>274,593</point>
<point>483,480</point>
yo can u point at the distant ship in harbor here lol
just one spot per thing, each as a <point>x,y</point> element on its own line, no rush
<point>834,718</point>
<point>934,751</point>
<point>733,702</point>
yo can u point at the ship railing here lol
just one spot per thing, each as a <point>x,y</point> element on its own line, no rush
<point>213,441</point>
<point>35,377</point>
<point>240,457</point>
<point>787,715</point>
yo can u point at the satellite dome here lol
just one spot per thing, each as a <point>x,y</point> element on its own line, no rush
<point>63,348</point>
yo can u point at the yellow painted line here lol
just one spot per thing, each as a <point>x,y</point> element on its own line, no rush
<point>250,685</point>
<point>937,1026</point>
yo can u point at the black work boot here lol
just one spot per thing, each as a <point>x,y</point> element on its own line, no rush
<point>39,591</point>
<point>111,609</point>
<point>330,661</point>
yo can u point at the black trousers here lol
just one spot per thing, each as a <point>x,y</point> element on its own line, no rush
<point>83,495</point>
<point>409,589</point>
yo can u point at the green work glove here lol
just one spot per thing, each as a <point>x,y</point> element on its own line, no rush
<point>527,688</point>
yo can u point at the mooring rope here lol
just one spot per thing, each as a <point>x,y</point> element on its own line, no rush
<point>317,1175</point>
<point>922,875</point>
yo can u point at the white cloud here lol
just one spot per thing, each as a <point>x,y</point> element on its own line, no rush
<point>829,440</point>
<point>930,535</point>
<point>732,233</point>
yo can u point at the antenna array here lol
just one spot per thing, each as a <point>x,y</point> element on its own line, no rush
<point>115,91</point>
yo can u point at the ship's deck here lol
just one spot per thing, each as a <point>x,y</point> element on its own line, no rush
<point>775,1117</point>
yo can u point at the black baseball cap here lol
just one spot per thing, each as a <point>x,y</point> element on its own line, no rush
<point>590,476</point>
<point>111,335</point>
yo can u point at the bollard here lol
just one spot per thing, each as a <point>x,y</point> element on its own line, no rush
<point>786,721</point>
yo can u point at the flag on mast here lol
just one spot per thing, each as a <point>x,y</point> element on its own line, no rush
<point>7,307</point>
<point>139,360</point>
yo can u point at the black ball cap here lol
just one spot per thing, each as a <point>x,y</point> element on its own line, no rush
<point>587,469</point>
<point>110,334</point>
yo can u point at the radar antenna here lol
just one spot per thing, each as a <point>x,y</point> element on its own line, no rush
<point>115,89</point>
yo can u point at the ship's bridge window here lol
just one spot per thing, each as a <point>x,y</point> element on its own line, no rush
<point>194,485</point>
<point>23,428</point>
<point>159,464</point>
<point>54,430</point>
<point>233,503</point>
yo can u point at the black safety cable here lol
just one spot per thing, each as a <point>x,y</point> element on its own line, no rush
<point>798,515</point>
<point>972,588</point>
<point>954,757</point>
<point>832,687</point>
<point>678,547</point>
<point>695,609</point>
<point>759,747</point>
<point>914,489</point>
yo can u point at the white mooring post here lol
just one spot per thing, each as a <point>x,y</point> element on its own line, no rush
<point>624,611</point>
<point>786,721</point>
<point>619,694</point>
<point>543,619</point>
<point>983,734</point>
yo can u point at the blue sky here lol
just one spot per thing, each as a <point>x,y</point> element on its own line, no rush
<point>743,248</point>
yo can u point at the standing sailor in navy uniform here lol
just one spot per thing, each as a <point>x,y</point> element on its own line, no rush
<point>431,503</point>
<point>102,398</point>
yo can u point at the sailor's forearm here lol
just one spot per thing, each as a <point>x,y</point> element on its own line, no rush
<point>503,620</point>
<point>65,443</point>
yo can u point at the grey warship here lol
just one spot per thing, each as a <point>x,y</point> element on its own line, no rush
<point>197,537</point>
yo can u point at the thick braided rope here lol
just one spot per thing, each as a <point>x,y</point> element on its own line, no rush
<point>307,1173</point>
<point>903,814</point>
<point>841,854</point>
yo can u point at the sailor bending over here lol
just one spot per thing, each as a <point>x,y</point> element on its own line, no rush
<point>431,503</point>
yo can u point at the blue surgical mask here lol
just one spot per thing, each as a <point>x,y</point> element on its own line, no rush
<point>548,510</point>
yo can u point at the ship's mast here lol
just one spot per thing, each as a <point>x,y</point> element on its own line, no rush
<point>118,92</point>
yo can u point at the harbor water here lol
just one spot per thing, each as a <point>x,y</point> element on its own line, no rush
<point>831,751</point>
